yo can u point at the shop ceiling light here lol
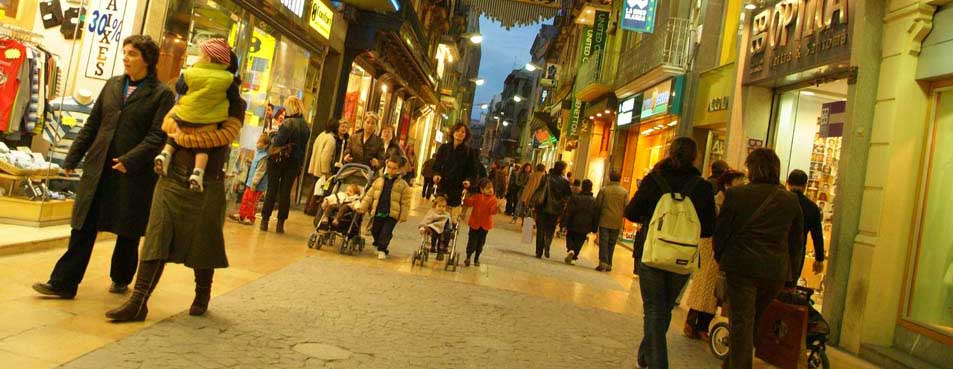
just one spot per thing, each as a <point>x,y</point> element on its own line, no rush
<point>808,93</point>
<point>608,111</point>
<point>592,117</point>
<point>672,124</point>
<point>599,115</point>
<point>751,6</point>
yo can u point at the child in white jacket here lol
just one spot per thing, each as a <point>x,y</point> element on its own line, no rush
<point>436,223</point>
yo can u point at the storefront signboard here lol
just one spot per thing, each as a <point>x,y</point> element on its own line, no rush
<point>108,22</point>
<point>790,36</point>
<point>575,117</point>
<point>628,114</point>
<point>714,94</point>
<point>655,101</point>
<point>639,15</point>
<point>600,28</point>
<point>320,18</point>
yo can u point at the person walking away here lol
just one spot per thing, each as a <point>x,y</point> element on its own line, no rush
<point>660,288</point>
<point>186,226</point>
<point>456,166</point>
<point>797,183</point>
<point>206,89</point>
<point>580,219</point>
<point>611,203</point>
<point>121,136</point>
<point>535,178</point>
<point>758,240</point>
<point>365,146</point>
<point>549,202</point>
<point>427,172</point>
<point>285,160</point>
<point>718,169</point>
<point>702,302</point>
<point>389,203</point>
<point>436,224</point>
<point>519,181</point>
<point>256,183</point>
<point>485,205</point>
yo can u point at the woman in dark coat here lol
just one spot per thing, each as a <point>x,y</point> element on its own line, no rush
<point>288,147</point>
<point>553,192</point>
<point>456,166</point>
<point>581,219</point>
<point>119,140</point>
<point>518,180</point>
<point>660,288</point>
<point>185,226</point>
<point>758,243</point>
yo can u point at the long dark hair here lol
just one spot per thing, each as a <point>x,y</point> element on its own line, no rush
<point>332,127</point>
<point>681,154</point>
<point>764,166</point>
<point>558,168</point>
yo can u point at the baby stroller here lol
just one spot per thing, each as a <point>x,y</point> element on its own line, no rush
<point>346,234</point>
<point>815,339</point>
<point>446,245</point>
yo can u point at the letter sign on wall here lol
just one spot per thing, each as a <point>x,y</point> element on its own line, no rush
<point>108,22</point>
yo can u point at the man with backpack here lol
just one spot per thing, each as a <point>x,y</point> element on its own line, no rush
<point>676,208</point>
<point>549,201</point>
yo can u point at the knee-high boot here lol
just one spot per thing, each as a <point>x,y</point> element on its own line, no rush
<point>203,291</point>
<point>135,309</point>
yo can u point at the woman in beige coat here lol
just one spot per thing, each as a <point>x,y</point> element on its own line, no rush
<point>322,153</point>
<point>530,188</point>
<point>701,298</point>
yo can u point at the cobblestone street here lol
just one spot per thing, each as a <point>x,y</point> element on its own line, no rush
<point>336,311</point>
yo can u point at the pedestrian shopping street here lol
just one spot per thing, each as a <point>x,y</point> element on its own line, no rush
<point>283,305</point>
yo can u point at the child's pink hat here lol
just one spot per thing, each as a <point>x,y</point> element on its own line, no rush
<point>217,50</point>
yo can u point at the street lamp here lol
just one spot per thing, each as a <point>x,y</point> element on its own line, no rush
<point>506,123</point>
<point>517,98</point>
<point>478,81</point>
<point>531,67</point>
<point>475,38</point>
<point>484,106</point>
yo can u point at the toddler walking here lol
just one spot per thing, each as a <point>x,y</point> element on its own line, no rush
<point>388,202</point>
<point>206,91</point>
<point>484,205</point>
<point>436,224</point>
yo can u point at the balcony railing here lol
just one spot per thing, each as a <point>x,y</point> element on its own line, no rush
<point>669,46</point>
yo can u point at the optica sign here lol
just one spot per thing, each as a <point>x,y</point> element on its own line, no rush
<point>320,18</point>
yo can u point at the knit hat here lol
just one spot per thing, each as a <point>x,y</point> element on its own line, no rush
<point>217,50</point>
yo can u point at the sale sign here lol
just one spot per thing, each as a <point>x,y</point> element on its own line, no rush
<point>108,22</point>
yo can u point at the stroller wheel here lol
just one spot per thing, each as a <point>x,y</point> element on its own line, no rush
<point>314,241</point>
<point>360,244</point>
<point>344,245</point>
<point>719,340</point>
<point>817,358</point>
<point>413,259</point>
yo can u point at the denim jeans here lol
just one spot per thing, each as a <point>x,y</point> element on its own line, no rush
<point>659,290</point>
<point>607,240</point>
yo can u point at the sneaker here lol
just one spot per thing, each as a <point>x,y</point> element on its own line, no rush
<point>600,268</point>
<point>641,364</point>
<point>381,255</point>
<point>161,163</point>
<point>608,268</point>
<point>569,257</point>
<point>235,217</point>
<point>546,253</point>
<point>466,262</point>
<point>51,290</point>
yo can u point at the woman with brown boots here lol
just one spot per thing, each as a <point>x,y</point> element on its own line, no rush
<point>186,226</point>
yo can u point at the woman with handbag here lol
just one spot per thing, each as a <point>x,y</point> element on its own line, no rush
<point>757,242</point>
<point>284,161</point>
<point>549,201</point>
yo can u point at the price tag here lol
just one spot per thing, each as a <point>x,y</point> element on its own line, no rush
<point>68,120</point>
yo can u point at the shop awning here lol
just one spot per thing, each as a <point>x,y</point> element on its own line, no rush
<point>515,13</point>
<point>543,123</point>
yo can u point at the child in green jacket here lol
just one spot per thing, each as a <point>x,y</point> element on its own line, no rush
<point>205,90</point>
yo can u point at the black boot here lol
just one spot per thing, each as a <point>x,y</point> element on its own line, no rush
<point>203,291</point>
<point>264,225</point>
<point>280,228</point>
<point>135,308</point>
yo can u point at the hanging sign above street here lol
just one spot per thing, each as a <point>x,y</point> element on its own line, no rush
<point>639,15</point>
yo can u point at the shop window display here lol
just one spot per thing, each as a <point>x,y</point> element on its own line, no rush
<point>290,74</point>
<point>358,93</point>
<point>809,133</point>
<point>931,300</point>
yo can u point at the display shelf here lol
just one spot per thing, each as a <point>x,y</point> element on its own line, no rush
<point>35,213</point>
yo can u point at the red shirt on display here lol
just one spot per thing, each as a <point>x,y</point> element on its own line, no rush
<point>12,55</point>
<point>484,207</point>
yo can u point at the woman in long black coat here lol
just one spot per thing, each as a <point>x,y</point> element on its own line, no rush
<point>185,226</point>
<point>456,166</point>
<point>119,140</point>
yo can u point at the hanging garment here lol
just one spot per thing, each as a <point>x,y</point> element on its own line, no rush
<point>12,55</point>
<point>72,28</point>
<point>51,12</point>
<point>32,118</point>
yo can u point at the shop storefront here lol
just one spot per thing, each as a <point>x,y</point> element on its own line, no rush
<point>711,115</point>
<point>55,61</point>
<point>647,123</point>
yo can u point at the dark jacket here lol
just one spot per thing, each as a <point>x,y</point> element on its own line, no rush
<point>642,205</point>
<point>771,244</point>
<point>455,165</point>
<point>362,152</point>
<point>812,225</point>
<point>427,170</point>
<point>582,214</point>
<point>294,131</point>
<point>558,194</point>
<point>130,131</point>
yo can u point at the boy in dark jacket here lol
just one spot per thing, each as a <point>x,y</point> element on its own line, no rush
<point>580,219</point>
<point>797,182</point>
